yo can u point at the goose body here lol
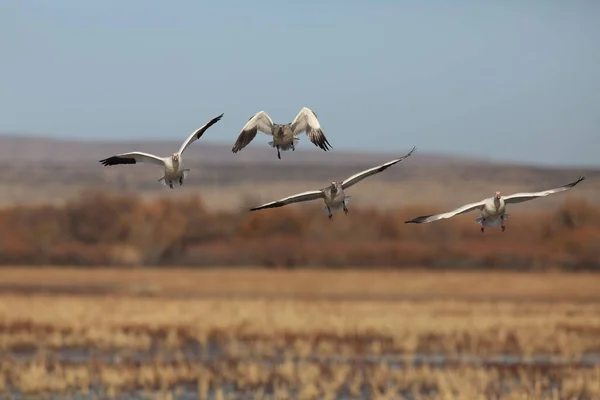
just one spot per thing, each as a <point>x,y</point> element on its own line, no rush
<point>493,210</point>
<point>172,166</point>
<point>333,195</point>
<point>285,136</point>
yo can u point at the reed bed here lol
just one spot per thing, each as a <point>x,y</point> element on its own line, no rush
<point>127,343</point>
<point>482,328</point>
<point>303,380</point>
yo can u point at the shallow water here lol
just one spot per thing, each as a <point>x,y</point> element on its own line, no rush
<point>84,356</point>
<point>212,354</point>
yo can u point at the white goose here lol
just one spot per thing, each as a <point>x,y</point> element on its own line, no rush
<point>284,136</point>
<point>333,195</point>
<point>173,166</point>
<point>493,209</point>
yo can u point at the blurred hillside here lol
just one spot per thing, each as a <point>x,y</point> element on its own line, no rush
<point>49,171</point>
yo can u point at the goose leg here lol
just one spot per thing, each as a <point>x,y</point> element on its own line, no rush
<point>345,209</point>
<point>482,227</point>
<point>181,180</point>
<point>330,214</point>
<point>278,154</point>
<point>171,184</point>
<point>293,147</point>
<point>503,227</point>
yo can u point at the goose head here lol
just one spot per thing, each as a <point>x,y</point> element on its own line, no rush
<point>175,157</point>
<point>497,195</point>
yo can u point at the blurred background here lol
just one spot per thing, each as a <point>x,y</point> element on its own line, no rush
<point>114,286</point>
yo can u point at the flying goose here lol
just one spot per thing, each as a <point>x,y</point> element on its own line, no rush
<point>333,195</point>
<point>284,136</point>
<point>492,209</point>
<point>173,165</point>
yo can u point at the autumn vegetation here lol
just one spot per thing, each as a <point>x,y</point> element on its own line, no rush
<point>361,307</point>
<point>127,345</point>
<point>98,229</point>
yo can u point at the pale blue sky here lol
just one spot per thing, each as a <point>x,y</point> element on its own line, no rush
<point>509,80</point>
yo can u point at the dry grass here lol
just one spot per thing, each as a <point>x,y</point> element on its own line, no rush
<point>287,346</point>
<point>482,328</point>
<point>314,380</point>
<point>315,282</point>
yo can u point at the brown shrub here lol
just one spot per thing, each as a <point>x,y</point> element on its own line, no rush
<point>97,229</point>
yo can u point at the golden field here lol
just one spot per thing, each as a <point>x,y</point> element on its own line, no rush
<point>307,334</point>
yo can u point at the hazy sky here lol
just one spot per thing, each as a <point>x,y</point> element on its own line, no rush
<point>512,80</point>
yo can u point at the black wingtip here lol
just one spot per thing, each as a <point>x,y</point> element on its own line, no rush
<point>106,162</point>
<point>211,123</point>
<point>581,178</point>
<point>322,141</point>
<point>327,144</point>
<point>411,151</point>
<point>114,160</point>
<point>418,220</point>
<point>402,158</point>
<point>215,119</point>
<point>237,148</point>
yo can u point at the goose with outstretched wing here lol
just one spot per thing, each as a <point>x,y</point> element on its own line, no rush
<point>333,195</point>
<point>493,209</point>
<point>285,136</point>
<point>173,166</point>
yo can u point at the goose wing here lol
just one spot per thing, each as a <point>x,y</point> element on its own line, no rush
<point>372,171</point>
<point>198,133</point>
<point>258,122</point>
<point>521,197</point>
<point>305,196</point>
<point>306,121</point>
<point>460,210</point>
<point>134,157</point>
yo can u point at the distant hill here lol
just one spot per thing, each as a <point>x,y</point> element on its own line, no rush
<point>41,149</point>
<point>36,169</point>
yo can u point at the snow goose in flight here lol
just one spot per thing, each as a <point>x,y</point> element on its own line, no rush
<point>173,165</point>
<point>333,195</point>
<point>493,209</point>
<point>284,136</point>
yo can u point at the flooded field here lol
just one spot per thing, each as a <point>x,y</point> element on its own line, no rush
<point>286,336</point>
<point>183,375</point>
